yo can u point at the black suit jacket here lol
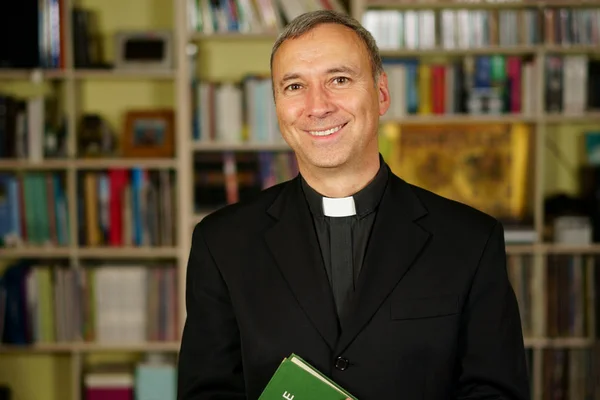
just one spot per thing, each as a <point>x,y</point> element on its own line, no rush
<point>434,316</point>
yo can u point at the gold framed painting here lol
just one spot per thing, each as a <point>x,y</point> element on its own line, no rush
<point>486,166</point>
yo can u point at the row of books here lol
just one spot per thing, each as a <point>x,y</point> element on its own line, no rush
<point>564,298</point>
<point>568,295</point>
<point>154,377</point>
<point>250,16</point>
<point>451,29</point>
<point>492,85</point>
<point>126,207</point>
<point>470,29</point>
<point>102,303</point>
<point>474,85</point>
<point>30,128</point>
<point>233,112</point>
<point>572,84</point>
<point>33,209</point>
<point>40,32</point>
<point>225,178</point>
<point>487,84</point>
<point>569,374</point>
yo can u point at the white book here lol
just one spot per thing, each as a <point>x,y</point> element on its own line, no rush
<point>411,24</point>
<point>464,32</point>
<point>399,107</point>
<point>448,29</point>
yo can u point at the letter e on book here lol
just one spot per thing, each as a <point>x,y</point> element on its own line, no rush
<point>288,396</point>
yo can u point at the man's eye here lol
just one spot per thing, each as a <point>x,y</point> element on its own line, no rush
<point>340,80</point>
<point>292,87</point>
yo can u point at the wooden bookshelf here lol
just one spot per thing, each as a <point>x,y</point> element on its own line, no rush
<point>501,50</point>
<point>28,74</point>
<point>104,163</point>
<point>199,146</point>
<point>462,119</point>
<point>136,253</point>
<point>35,252</point>
<point>234,36</point>
<point>88,347</point>
<point>115,74</point>
<point>25,165</point>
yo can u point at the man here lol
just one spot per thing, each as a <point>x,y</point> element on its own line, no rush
<point>390,290</point>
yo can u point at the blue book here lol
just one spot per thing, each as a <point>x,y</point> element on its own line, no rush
<point>155,381</point>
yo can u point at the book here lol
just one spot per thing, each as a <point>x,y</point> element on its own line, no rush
<point>295,379</point>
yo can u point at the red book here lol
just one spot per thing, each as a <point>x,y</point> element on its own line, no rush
<point>109,386</point>
<point>117,179</point>
<point>513,69</point>
<point>109,394</point>
<point>438,88</point>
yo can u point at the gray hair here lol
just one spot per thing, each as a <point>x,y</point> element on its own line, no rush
<point>307,21</point>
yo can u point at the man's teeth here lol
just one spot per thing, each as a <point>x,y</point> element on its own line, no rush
<point>327,132</point>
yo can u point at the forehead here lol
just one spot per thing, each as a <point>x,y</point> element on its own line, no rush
<point>322,45</point>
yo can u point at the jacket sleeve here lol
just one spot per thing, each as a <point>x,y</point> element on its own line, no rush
<point>210,362</point>
<point>492,361</point>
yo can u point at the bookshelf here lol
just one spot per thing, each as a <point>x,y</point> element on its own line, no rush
<point>545,337</point>
<point>218,59</point>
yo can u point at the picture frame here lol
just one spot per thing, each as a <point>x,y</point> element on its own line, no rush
<point>149,133</point>
<point>144,49</point>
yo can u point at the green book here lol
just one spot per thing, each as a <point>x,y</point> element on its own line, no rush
<point>295,379</point>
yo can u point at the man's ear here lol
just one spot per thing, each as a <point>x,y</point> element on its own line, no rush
<point>384,93</point>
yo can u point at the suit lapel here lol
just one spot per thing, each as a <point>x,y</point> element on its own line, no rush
<point>396,240</point>
<point>293,242</point>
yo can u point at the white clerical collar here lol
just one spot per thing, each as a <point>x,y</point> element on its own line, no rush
<point>339,207</point>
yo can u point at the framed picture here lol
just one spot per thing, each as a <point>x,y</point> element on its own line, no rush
<point>149,133</point>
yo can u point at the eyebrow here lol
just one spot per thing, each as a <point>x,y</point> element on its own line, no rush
<point>335,70</point>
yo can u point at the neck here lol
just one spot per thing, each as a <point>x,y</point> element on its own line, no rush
<point>341,181</point>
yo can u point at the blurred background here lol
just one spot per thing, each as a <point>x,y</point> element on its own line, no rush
<point>123,123</point>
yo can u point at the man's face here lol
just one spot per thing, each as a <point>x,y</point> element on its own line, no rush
<point>327,102</point>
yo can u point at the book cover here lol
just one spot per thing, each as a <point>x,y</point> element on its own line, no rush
<point>295,379</point>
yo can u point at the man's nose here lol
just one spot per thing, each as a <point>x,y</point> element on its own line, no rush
<point>319,103</point>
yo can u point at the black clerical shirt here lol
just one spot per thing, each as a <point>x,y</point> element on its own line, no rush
<point>366,202</point>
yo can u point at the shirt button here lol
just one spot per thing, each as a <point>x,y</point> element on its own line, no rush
<point>341,363</point>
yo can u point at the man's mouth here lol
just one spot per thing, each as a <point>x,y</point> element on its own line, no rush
<point>327,132</point>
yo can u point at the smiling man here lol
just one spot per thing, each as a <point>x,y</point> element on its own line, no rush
<point>390,290</point>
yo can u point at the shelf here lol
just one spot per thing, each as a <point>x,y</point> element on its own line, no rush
<point>26,165</point>
<point>113,74</point>
<point>105,163</point>
<point>234,36</point>
<point>31,74</point>
<point>553,248</point>
<point>42,348</point>
<point>216,146</point>
<point>90,163</point>
<point>432,119</point>
<point>571,49</point>
<point>501,50</point>
<point>477,5</point>
<point>574,342</point>
<point>101,252</point>
<point>35,252</point>
<point>105,252</point>
<point>572,118</point>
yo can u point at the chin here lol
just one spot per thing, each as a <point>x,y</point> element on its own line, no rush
<point>326,161</point>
